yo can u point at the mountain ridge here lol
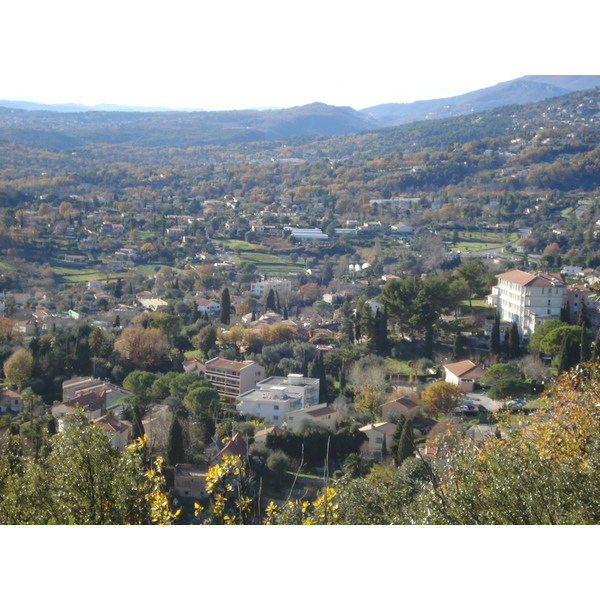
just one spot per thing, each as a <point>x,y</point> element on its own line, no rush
<point>67,131</point>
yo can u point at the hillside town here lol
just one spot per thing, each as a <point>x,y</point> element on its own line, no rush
<point>276,333</point>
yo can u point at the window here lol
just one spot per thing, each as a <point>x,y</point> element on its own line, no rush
<point>379,440</point>
<point>276,407</point>
<point>276,418</point>
<point>549,301</point>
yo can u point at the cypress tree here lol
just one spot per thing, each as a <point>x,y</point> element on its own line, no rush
<point>565,314</point>
<point>458,348</point>
<point>343,376</point>
<point>137,428</point>
<point>406,445</point>
<point>582,319</point>
<point>585,351</point>
<point>395,445</point>
<point>384,450</point>
<point>428,346</point>
<point>514,341</point>
<point>270,301</point>
<point>304,364</point>
<point>175,450</point>
<point>382,337</point>
<point>322,378</point>
<point>277,303</point>
<point>225,313</point>
<point>495,337</point>
<point>564,356</point>
<point>596,349</point>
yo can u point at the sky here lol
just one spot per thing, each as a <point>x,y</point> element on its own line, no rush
<point>242,54</point>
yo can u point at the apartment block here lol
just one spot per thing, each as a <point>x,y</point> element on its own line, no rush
<point>260,288</point>
<point>232,378</point>
<point>529,299</point>
<point>275,397</point>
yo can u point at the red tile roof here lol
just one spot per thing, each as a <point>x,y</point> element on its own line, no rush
<point>464,367</point>
<point>532,279</point>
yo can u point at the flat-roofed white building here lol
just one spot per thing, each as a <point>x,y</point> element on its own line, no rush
<point>275,397</point>
<point>307,234</point>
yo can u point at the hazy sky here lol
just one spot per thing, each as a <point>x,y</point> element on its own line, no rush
<point>241,54</point>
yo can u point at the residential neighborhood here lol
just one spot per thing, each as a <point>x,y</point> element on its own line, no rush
<point>280,333</point>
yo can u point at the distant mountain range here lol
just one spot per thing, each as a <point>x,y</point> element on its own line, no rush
<point>73,125</point>
<point>70,107</point>
<point>531,88</point>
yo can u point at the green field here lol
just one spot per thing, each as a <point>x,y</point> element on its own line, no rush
<point>474,241</point>
<point>72,275</point>
<point>271,262</point>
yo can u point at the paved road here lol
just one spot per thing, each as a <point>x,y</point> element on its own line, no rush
<point>488,403</point>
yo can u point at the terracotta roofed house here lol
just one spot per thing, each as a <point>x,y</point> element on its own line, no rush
<point>207,306</point>
<point>464,374</point>
<point>320,413</point>
<point>120,432</point>
<point>400,406</point>
<point>376,432</point>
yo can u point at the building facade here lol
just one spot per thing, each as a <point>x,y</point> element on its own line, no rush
<point>529,299</point>
<point>275,397</point>
<point>231,377</point>
<point>260,288</point>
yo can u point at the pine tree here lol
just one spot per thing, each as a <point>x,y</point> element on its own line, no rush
<point>175,450</point>
<point>225,313</point>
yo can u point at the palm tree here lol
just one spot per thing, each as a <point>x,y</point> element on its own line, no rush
<point>354,463</point>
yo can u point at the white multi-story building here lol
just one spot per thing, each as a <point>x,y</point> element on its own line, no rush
<point>275,397</point>
<point>529,299</point>
<point>281,286</point>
